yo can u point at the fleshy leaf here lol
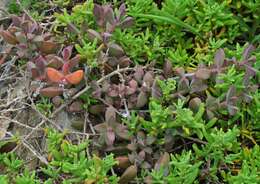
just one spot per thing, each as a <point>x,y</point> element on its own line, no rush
<point>8,37</point>
<point>167,69</point>
<point>203,73</point>
<point>98,14</point>
<point>115,50</point>
<point>51,91</point>
<point>48,47</point>
<point>248,50</point>
<point>109,14</point>
<point>66,52</point>
<point>75,77</point>
<point>110,136</point>
<point>126,23</point>
<point>163,161</point>
<point>129,174</point>
<point>123,162</point>
<point>54,75</point>
<point>219,58</point>
<point>142,99</point>
<point>110,116</point>
<point>92,35</point>
<point>122,10</point>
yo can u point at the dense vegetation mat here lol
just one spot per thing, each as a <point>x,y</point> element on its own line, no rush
<point>135,91</point>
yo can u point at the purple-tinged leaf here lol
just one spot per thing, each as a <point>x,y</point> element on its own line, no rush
<point>124,62</point>
<point>203,73</point>
<point>109,14</point>
<point>122,132</point>
<point>232,110</point>
<point>194,104</point>
<point>76,106</point>
<point>106,36</point>
<point>110,136</point>
<point>99,14</point>
<point>126,23</point>
<point>97,109</point>
<point>101,128</point>
<point>180,72</point>
<point>219,58</point>
<point>40,62</point>
<point>247,98</point>
<point>21,38</point>
<point>26,26</point>
<point>110,116</point>
<point>115,50</point>
<point>132,147</point>
<point>122,11</point>
<point>197,85</point>
<point>57,101</point>
<point>156,90</point>
<point>183,85</point>
<point>8,37</point>
<point>167,69</point>
<point>139,73</point>
<point>230,93</point>
<point>55,62</point>
<point>74,61</point>
<point>16,21</point>
<point>33,70</point>
<point>148,79</point>
<point>66,53</point>
<point>248,50</point>
<point>92,35</point>
<point>133,84</point>
<point>142,99</point>
<point>141,155</point>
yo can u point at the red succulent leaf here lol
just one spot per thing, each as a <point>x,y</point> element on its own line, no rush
<point>75,77</point>
<point>54,75</point>
<point>51,91</point>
